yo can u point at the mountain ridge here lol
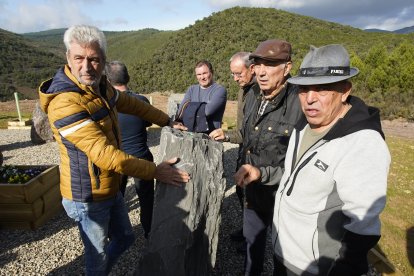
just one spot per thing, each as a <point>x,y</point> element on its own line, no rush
<point>406,30</point>
<point>164,60</point>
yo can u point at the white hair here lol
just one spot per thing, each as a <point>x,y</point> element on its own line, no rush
<point>84,34</point>
<point>244,57</point>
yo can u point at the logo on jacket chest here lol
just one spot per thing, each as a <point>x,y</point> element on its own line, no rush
<point>321,165</point>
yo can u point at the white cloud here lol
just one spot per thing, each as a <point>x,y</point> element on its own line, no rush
<point>35,15</point>
<point>282,4</point>
<point>388,15</point>
<point>402,20</point>
<point>29,17</point>
<point>224,4</point>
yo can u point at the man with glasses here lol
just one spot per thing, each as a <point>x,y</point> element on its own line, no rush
<point>242,71</point>
<point>266,129</point>
<point>326,215</point>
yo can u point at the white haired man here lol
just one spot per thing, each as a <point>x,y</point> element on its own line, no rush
<point>82,109</point>
<point>242,71</point>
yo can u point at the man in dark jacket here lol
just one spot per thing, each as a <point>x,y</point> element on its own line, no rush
<point>242,71</point>
<point>266,129</point>
<point>134,142</point>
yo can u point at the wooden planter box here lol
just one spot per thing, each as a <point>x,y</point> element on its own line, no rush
<point>30,205</point>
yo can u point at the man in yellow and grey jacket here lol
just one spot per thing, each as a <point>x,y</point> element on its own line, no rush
<point>85,126</point>
<point>82,109</point>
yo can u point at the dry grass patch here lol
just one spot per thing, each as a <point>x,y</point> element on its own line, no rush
<point>397,218</point>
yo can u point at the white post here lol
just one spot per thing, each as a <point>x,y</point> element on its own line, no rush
<point>16,97</point>
<point>150,99</point>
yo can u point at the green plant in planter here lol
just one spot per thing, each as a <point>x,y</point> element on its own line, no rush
<point>10,174</point>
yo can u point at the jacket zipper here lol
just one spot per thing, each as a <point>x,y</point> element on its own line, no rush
<point>292,168</point>
<point>294,177</point>
<point>290,190</point>
<point>304,163</point>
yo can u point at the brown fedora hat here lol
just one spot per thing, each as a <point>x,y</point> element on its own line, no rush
<point>273,50</point>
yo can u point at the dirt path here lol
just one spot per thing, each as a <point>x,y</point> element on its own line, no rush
<point>398,128</point>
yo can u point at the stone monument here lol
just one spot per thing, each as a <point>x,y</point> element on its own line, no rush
<point>186,219</point>
<point>174,101</point>
<point>40,132</point>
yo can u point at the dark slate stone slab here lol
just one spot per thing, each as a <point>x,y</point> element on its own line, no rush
<point>174,101</point>
<point>186,220</point>
<point>40,131</point>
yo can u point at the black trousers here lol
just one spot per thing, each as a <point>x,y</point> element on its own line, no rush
<point>240,196</point>
<point>239,190</point>
<point>255,225</point>
<point>145,192</point>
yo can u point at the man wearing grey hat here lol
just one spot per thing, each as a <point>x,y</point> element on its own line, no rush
<point>326,215</point>
<point>266,128</point>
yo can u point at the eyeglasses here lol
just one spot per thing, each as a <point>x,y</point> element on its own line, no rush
<point>238,75</point>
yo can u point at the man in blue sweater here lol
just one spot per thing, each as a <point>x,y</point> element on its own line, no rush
<point>203,103</point>
<point>134,142</point>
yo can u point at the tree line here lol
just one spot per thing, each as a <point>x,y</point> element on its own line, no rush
<point>384,59</point>
<point>164,60</point>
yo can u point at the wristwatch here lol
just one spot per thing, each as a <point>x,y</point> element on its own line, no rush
<point>226,138</point>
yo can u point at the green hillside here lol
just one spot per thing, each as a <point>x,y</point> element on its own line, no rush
<point>28,59</point>
<point>128,46</point>
<point>164,60</point>
<point>218,36</point>
<point>134,46</point>
<point>23,64</point>
<point>51,39</point>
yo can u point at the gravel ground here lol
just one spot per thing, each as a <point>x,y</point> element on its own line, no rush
<point>56,249</point>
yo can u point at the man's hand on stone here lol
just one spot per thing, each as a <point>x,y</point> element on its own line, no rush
<point>217,135</point>
<point>246,175</point>
<point>177,125</point>
<point>167,174</point>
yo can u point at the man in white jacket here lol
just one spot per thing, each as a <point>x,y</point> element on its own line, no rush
<point>326,215</point>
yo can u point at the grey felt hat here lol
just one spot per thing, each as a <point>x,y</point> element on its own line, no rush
<point>327,64</point>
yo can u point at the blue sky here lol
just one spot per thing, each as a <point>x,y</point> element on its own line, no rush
<point>21,16</point>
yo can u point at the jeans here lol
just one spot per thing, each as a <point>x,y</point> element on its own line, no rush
<point>105,229</point>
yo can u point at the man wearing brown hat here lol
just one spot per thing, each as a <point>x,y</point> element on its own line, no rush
<point>326,215</point>
<point>267,126</point>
